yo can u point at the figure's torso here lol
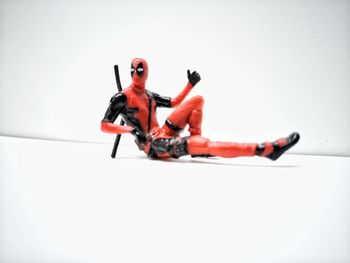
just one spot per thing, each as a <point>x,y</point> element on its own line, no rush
<point>139,110</point>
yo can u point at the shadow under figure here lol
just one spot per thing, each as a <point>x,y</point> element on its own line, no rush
<point>137,106</point>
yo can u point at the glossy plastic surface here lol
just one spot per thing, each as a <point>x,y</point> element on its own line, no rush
<point>138,108</point>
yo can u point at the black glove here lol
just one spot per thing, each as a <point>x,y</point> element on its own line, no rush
<point>140,135</point>
<point>193,77</point>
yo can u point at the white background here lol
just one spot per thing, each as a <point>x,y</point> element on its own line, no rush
<point>268,67</point>
<point>71,202</point>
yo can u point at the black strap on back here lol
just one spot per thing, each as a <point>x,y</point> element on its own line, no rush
<point>122,122</point>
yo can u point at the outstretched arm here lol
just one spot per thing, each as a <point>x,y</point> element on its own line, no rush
<point>116,106</point>
<point>162,101</point>
<point>193,79</point>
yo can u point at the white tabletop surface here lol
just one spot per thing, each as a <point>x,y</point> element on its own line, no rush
<point>70,202</point>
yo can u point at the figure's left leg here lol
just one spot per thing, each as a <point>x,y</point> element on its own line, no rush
<point>197,145</point>
<point>273,150</point>
<point>189,112</point>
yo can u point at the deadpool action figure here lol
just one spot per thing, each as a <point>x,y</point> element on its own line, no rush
<point>138,108</point>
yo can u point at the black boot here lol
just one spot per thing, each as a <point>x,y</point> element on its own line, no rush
<point>278,147</point>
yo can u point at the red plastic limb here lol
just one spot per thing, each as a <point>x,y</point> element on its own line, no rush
<point>198,145</point>
<point>109,127</point>
<point>189,112</point>
<point>179,98</point>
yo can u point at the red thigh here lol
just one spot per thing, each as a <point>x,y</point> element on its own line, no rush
<point>189,112</point>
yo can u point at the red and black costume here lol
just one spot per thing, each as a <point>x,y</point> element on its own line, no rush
<point>138,107</point>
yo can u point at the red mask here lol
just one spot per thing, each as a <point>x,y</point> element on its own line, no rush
<point>139,72</point>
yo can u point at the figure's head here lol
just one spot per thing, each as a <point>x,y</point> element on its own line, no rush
<point>139,72</point>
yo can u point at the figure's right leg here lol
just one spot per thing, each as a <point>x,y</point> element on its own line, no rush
<point>197,145</point>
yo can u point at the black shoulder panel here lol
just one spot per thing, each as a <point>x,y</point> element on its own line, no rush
<point>162,101</point>
<point>116,106</point>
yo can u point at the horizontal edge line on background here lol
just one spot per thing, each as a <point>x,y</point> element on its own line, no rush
<point>108,143</point>
<point>50,139</point>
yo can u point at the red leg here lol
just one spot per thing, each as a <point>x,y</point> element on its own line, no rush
<point>198,145</point>
<point>189,112</point>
